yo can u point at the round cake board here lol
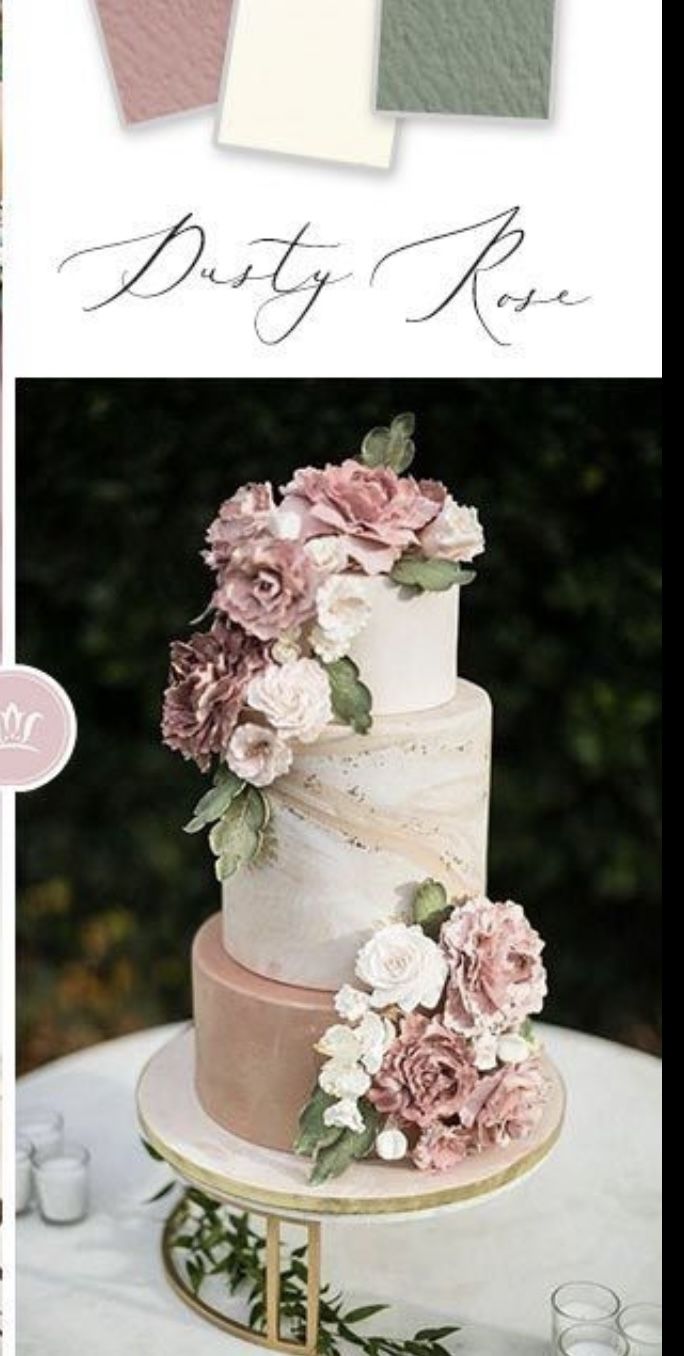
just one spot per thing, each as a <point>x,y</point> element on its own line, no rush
<point>232,1170</point>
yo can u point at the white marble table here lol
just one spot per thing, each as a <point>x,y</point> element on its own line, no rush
<point>591,1212</point>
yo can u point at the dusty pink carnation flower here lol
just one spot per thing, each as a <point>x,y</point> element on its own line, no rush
<point>244,515</point>
<point>441,1147</point>
<point>496,973</point>
<point>207,683</point>
<point>377,512</point>
<point>268,586</point>
<point>426,1075</point>
<point>506,1105</point>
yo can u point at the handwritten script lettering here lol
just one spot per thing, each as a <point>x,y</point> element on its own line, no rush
<point>289,274</point>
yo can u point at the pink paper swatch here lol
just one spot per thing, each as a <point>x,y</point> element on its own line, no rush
<point>166,55</point>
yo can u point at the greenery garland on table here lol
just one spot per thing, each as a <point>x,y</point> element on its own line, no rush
<point>214,1241</point>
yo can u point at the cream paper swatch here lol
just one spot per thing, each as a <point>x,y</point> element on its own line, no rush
<point>300,78</point>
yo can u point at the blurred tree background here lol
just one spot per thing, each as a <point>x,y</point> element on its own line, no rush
<point>117,482</point>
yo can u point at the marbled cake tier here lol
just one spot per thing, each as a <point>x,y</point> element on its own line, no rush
<point>357,824</point>
<point>255,1057</point>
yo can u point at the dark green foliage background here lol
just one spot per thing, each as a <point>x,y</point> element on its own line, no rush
<point>117,483</point>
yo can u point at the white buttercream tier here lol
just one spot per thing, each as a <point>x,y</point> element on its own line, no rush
<point>357,824</point>
<point>407,653</point>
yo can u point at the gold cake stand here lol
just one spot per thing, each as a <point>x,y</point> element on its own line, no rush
<point>275,1185</point>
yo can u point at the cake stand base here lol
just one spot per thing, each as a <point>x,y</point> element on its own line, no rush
<point>272,1337</point>
<point>275,1186</point>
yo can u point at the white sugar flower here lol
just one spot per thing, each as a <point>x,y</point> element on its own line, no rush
<point>374,1034</point>
<point>342,1080</point>
<point>328,554</point>
<point>455,534</point>
<point>404,967</point>
<point>513,1049</point>
<point>257,754</point>
<point>391,1145</point>
<point>485,1051</point>
<point>344,1114</point>
<point>340,1043</point>
<point>343,608</point>
<point>294,697</point>
<point>286,648</point>
<point>284,524</point>
<point>351,1004</point>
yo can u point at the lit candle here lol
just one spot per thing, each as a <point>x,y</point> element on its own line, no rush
<point>592,1339</point>
<point>61,1181</point>
<point>45,1129</point>
<point>23,1175</point>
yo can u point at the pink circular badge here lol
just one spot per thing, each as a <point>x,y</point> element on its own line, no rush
<point>37,728</point>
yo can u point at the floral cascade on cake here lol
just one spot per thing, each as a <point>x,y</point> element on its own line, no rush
<point>290,596</point>
<point>435,1056</point>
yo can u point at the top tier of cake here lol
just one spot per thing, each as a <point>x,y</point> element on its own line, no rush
<point>407,652</point>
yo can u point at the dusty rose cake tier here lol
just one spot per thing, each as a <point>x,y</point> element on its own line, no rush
<point>256,1062</point>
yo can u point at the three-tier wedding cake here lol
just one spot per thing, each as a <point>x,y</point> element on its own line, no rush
<point>358,994</point>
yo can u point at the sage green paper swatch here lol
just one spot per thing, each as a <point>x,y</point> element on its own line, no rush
<point>486,57</point>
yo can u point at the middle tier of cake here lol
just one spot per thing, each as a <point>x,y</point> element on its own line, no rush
<point>357,824</point>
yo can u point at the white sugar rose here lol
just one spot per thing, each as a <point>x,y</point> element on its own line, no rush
<point>455,534</point>
<point>351,1004</point>
<point>343,608</point>
<point>404,967</point>
<point>341,1043</point>
<point>344,1115</point>
<point>327,554</point>
<point>294,697</point>
<point>343,1080</point>
<point>374,1035</point>
<point>257,754</point>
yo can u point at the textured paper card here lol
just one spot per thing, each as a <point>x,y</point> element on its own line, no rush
<point>166,55</point>
<point>300,78</point>
<point>486,57</point>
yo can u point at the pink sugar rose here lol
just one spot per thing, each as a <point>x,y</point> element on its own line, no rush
<point>441,1147</point>
<point>376,512</point>
<point>207,684</point>
<point>506,1105</point>
<point>427,1073</point>
<point>268,586</point>
<point>246,514</point>
<point>496,975</point>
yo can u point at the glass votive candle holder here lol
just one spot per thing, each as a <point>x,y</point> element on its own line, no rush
<point>23,1176</point>
<point>583,1302</point>
<point>592,1339</point>
<point>642,1325</point>
<point>44,1128</point>
<point>62,1185</point>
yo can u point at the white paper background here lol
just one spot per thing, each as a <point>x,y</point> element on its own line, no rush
<point>587,183</point>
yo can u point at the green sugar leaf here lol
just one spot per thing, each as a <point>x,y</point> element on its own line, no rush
<point>430,575</point>
<point>429,901</point>
<point>215,802</point>
<point>391,446</point>
<point>334,1159</point>
<point>313,1131</point>
<point>351,700</point>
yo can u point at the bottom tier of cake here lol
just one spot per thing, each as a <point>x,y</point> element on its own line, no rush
<point>255,1057</point>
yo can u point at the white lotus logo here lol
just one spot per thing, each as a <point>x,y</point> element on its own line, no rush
<point>16,728</point>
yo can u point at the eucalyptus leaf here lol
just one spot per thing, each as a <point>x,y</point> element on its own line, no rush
<point>430,899</point>
<point>374,447</point>
<point>430,575</point>
<point>351,700</point>
<point>334,1159</point>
